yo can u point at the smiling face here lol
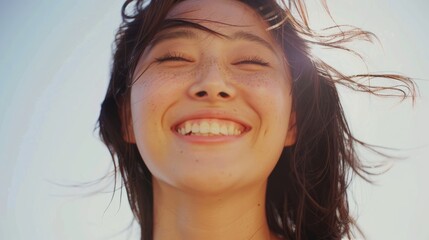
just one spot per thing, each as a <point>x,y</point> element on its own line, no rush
<point>211,113</point>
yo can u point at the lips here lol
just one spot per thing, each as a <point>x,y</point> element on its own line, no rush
<point>210,124</point>
<point>210,127</point>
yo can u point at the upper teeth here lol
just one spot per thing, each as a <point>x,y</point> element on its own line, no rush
<point>210,127</point>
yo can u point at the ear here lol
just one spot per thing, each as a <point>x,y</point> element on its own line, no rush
<point>127,124</point>
<point>292,131</point>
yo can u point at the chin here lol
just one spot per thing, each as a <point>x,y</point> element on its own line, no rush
<point>210,181</point>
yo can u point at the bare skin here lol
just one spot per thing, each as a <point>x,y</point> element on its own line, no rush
<point>212,186</point>
<point>228,216</point>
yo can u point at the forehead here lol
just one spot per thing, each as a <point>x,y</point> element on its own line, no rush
<point>224,16</point>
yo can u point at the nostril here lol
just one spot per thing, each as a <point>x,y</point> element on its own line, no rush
<point>223,94</point>
<point>201,93</point>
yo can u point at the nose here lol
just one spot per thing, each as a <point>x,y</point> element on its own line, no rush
<point>212,83</point>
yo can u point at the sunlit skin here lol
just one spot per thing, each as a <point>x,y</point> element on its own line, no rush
<point>212,186</point>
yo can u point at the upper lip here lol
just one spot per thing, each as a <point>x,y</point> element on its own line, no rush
<point>212,114</point>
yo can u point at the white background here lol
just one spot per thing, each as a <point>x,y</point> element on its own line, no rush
<point>54,70</point>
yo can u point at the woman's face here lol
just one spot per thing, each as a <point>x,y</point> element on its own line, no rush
<point>212,113</point>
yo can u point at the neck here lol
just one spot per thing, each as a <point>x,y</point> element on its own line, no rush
<point>236,215</point>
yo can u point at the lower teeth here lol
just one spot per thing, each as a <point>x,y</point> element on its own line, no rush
<point>202,134</point>
<point>207,134</point>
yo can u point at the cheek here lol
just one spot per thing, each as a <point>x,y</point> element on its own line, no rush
<point>270,90</point>
<point>270,96</point>
<point>153,92</point>
<point>257,81</point>
<point>151,97</point>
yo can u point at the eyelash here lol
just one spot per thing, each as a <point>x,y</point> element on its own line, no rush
<point>180,57</point>
<point>253,60</point>
<point>172,57</point>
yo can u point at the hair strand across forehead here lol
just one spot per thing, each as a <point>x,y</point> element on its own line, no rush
<point>306,195</point>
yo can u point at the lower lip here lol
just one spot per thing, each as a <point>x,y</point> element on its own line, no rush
<point>208,139</point>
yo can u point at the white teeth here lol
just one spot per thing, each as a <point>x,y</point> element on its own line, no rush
<point>224,130</point>
<point>214,128</point>
<point>208,128</point>
<point>187,127</point>
<point>231,130</point>
<point>204,127</point>
<point>195,128</point>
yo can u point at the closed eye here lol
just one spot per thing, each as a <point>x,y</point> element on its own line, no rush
<point>253,60</point>
<point>173,57</point>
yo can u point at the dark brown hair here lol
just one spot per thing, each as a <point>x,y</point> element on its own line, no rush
<point>306,194</point>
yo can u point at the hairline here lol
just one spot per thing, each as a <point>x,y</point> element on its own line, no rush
<point>188,33</point>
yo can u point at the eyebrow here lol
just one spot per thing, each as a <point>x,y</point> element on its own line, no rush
<point>242,35</point>
<point>183,33</point>
<point>191,35</point>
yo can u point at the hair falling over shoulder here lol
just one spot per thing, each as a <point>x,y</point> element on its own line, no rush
<point>306,195</point>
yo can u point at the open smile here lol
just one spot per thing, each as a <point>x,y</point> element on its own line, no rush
<point>210,127</point>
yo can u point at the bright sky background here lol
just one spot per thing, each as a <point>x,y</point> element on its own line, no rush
<point>54,69</point>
